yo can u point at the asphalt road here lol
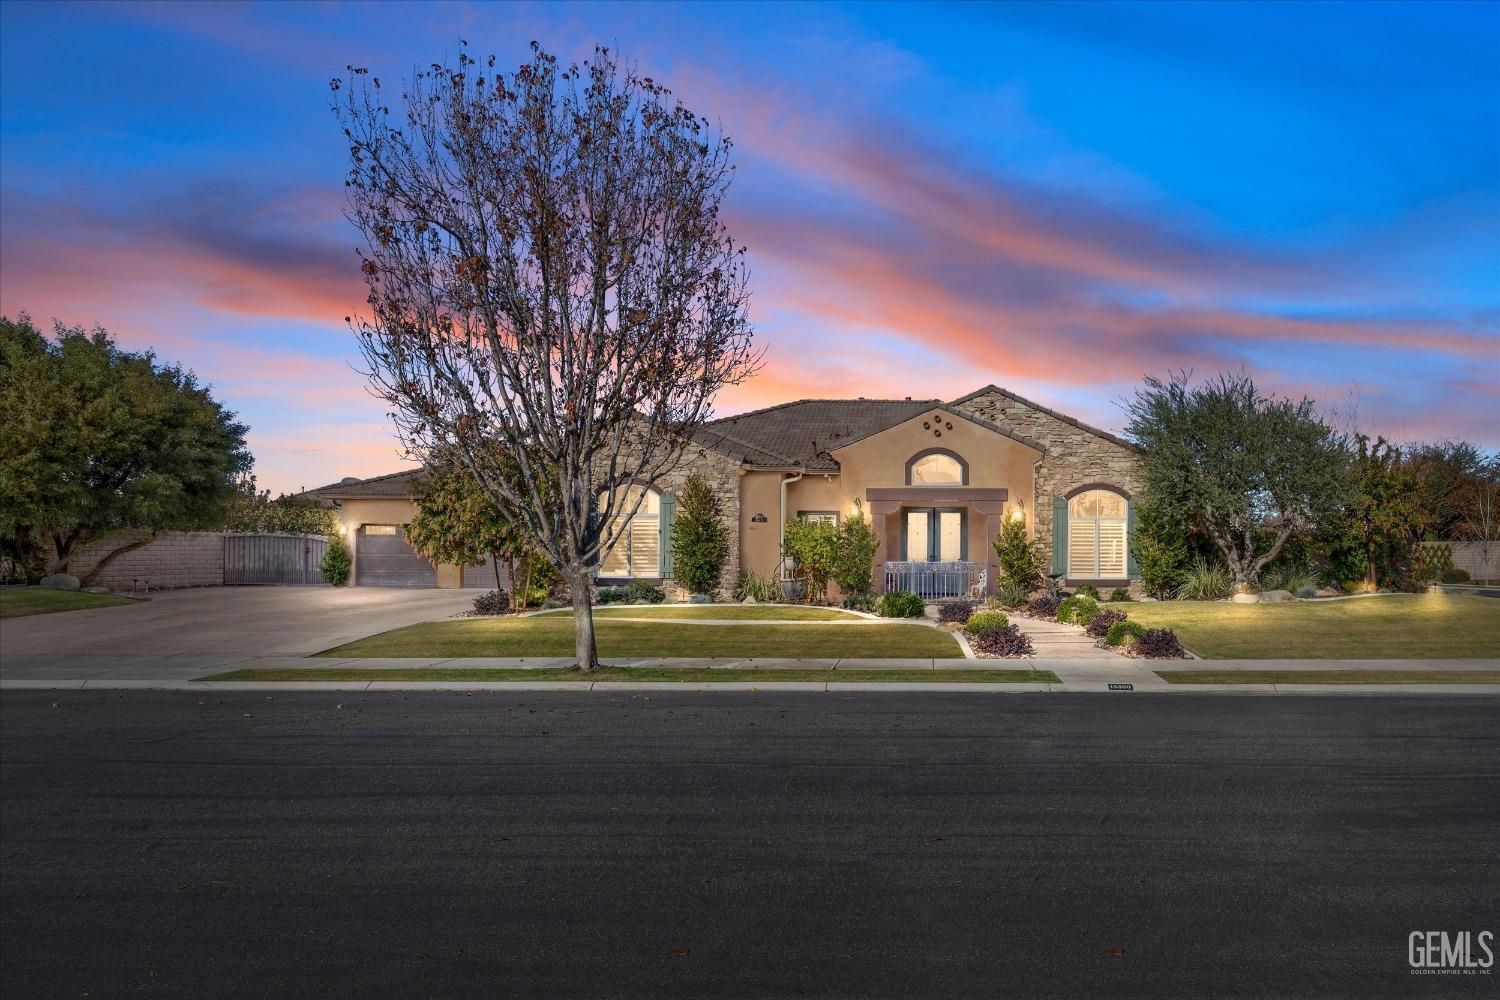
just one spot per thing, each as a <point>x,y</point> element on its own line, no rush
<point>708,845</point>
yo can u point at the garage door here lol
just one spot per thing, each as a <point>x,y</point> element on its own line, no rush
<point>383,559</point>
<point>483,575</point>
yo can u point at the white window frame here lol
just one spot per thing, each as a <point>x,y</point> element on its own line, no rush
<point>626,539</point>
<point>1075,521</point>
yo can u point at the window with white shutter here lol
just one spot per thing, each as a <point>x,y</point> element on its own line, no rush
<point>1097,536</point>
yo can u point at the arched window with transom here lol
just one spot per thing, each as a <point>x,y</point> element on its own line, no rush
<point>1097,522</point>
<point>937,467</point>
<point>638,551</point>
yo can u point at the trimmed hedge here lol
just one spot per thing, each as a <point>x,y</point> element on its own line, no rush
<point>900,604</point>
<point>1122,630</point>
<point>1077,610</point>
<point>1120,595</point>
<point>986,621</point>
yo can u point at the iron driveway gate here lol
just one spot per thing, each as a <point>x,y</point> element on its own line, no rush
<point>273,559</point>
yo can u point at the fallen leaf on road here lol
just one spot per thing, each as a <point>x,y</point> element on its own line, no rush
<point>1116,952</point>
<point>680,952</point>
<point>933,840</point>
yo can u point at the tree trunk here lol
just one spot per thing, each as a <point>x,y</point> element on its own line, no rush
<point>1374,577</point>
<point>585,653</point>
<point>495,565</point>
<point>93,574</point>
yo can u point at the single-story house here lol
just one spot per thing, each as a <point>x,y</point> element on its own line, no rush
<point>935,478</point>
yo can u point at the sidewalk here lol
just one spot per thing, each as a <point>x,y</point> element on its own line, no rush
<point>1077,674</point>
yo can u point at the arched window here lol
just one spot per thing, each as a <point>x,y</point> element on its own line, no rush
<point>936,468</point>
<point>637,553</point>
<point>1096,535</point>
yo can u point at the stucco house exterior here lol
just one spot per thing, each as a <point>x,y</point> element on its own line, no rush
<point>936,478</point>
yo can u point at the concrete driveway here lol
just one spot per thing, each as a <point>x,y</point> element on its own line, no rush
<point>211,626</point>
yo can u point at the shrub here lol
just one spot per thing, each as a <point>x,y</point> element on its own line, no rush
<point>854,566</point>
<point>700,541</point>
<point>641,592</point>
<point>1021,561</point>
<point>336,562</point>
<point>1289,577</point>
<point>1430,562</point>
<point>813,547</point>
<point>529,597</point>
<point>1077,610</point>
<point>900,604</point>
<point>1123,629</point>
<point>1099,625</point>
<point>1455,575</point>
<point>1008,641</point>
<point>1159,643</point>
<point>495,602</point>
<point>1044,606</point>
<point>1205,581</point>
<point>1307,591</point>
<point>1010,595</point>
<point>955,611</point>
<point>1160,546</point>
<point>986,621</point>
<point>1120,595</point>
<point>1086,590</point>
<point>859,602</point>
<point>764,589</point>
<point>609,595</point>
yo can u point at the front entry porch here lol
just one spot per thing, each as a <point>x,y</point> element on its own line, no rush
<point>935,540</point>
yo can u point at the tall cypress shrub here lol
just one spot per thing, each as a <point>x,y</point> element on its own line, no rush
<point>700,541</point>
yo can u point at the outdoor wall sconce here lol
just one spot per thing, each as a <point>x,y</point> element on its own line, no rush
<point>758,519</point>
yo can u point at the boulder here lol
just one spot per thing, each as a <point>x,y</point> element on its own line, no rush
<point>1245,598</point>
<point>60,581</point>
<point>1328,592</point>
<point>97,590</point>
<point>1275,596</point>
<point>749,600</point>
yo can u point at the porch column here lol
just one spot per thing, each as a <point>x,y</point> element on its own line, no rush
<point>882,526</point>
<point>993,512</point>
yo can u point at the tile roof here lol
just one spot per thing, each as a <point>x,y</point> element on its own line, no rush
<point>803,432</point>
<point>391,486</point>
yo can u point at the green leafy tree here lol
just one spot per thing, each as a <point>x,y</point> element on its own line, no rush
<point>254,512</point>
<point>1445,474</point>
<point>1020,555</point>
<point>1160,546</point>
<point>813,547</point>
<point>336,562</point>
<point>1383,510</point>
<point>854,570</point>
<point>1244,468</point>
<point>95,441</point>
<point>700,541</point>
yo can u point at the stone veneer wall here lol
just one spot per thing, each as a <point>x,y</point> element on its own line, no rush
<point>1075,456</point>
<point>723,476</point>
<point>176,559</point>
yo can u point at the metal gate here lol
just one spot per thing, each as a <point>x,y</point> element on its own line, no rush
<point>273,559</point>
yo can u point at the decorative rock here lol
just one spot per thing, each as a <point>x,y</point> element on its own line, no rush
<point>60,581</point>
<point>1275,596</point>
<point>1328,592</point>
<point>749,600</point>
<point>97,590</point>
<point>701,599</point>
<point>1246,598</point>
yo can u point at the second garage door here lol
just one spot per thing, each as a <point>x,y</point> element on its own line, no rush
<point>384,559</point>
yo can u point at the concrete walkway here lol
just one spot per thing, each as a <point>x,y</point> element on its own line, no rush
<point>1057,641</point>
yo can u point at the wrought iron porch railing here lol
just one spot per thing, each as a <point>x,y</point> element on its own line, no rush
<point>957,578</point>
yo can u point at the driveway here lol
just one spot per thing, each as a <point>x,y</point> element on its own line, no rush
<point>209,626</point>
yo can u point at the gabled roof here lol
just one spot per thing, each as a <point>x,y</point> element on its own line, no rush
<point>1050,412</point>
<point>803,432</point>
<point>391,486</point>
<point>954,411</point>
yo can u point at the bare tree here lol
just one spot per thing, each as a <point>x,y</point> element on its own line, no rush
<point>1481,513</point>
<point>549,282</point>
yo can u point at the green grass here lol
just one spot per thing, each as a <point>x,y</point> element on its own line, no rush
<point>1330,676</point>
<point>724,612</point>
<point>684,675</point>
<point>543,636</point>
<point>1401,627</point>
<point>18,602</point>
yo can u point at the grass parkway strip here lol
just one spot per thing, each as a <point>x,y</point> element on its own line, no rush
<point>1330,676</point>
<point>735,675</point>
<point>721,612</point>
<point>545,636</point>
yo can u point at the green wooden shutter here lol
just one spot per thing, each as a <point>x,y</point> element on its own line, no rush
<point>1131,570</point>
<point>1059,536</point>
<point>668,507</point>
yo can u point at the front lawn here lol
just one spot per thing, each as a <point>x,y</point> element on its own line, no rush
<point>1330,676</point>
<point>18,602</point>
<point>684,675</point>
<point>547,636</point>
<point>723,612</point>
<point>1398,627</point>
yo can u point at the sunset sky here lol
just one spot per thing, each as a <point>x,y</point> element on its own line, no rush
<point>1055,198</point>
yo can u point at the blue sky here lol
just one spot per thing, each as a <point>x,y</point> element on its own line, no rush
<point>1057,198</point>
